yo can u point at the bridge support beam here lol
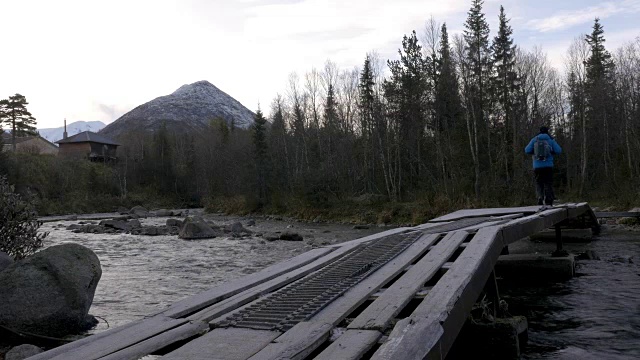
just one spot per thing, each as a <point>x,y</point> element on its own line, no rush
<point>560,252</point>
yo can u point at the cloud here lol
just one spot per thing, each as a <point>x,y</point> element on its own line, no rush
<point>567,19</point>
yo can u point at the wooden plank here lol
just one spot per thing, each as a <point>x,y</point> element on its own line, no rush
<point>577,210</point>
<point>224,344</point>
<point>224,291</point>
<point>381,312</point>
<point>395,348</point>
<point>430,225</point>
<point>82,342</point>
<point>120,340</point>
<point>612,214</point>
<point>552,217</point>
<point>304,337</point>
<point>372,237</point>
<point>236,301</point>
<point>461,214</point>
<point>351,345</point>
<point>473,228</point>
<point>159,342</point>
<point>447,305</point>
<point>519,228</point>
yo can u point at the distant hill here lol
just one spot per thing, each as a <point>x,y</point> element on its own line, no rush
<point>190,108</point>
<point>55,134</point>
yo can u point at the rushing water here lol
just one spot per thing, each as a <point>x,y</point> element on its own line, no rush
<point>142,275</point>
<point>596,315</point>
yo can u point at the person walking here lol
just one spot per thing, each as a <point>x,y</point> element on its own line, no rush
<point>543,148</point>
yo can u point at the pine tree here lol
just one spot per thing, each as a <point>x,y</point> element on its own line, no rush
<point>406,92</point>
<point>599,102</point>
<point>504,88</point>
<point>366,107</point>
<point>448,110</point>
<point>476,35</point>
<point>260,153</point>
<point>331,112</point>
<point>14,113</point>
<point>277,146</point>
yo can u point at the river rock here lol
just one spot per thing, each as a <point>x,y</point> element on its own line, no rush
<point>271,236</point>
<point>291,236</point>
<point>174,222</point>
<point>163,213</point>
<point>139,211</point>
<point>196,229</point>
<point>22,352</point>
<point>5,260</point>
<point>115,224</point>
<point>251,223</point>
<point>237,228</point>
<point>50,292</point>
<point>360,227</point>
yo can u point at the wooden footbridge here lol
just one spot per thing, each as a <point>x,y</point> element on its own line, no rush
<point>400,294</point>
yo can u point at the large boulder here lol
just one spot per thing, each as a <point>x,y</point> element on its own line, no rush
<point>139,211</point>
<point>50,292</point>
<point>22,352</point>
<point>5,260</point>
<point>197,229</point>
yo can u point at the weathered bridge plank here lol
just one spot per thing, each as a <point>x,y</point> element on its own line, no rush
<point>372,237</point>
<point>446,306</point>
<point>461,214</point>
<point>351,345</point>
<point>83,342</point>
<point>619,214</point>
<point>381,312</point>
<point>224,344</point>
<point>106,345</point>
<point>158,342</point>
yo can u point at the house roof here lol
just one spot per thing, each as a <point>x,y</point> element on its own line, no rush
<point>87,136</point>
<point>6,139</point>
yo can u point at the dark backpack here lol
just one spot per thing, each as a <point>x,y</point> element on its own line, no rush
<point>541,149</point>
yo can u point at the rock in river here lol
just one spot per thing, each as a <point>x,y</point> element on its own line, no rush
<point>50,292</point>
<point>196,229</point>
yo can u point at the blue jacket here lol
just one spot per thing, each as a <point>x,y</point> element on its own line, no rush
<point>555,149</point>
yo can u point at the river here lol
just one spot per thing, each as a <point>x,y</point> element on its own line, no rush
<point>596,315</point>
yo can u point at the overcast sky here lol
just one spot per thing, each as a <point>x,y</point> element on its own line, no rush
<point>97,59</point>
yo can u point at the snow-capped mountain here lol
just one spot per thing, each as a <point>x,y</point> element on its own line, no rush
<point>55,134</point>
<point>190,108</point>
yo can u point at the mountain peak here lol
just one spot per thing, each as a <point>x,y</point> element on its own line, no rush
<point>190,108</point>
<point>198,86</point>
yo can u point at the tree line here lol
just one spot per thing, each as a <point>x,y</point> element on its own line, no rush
<point>444,125</point>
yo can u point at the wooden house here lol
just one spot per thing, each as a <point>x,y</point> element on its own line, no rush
<point>89,145</point>
<point>33,144</point>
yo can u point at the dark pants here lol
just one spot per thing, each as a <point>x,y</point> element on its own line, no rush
<point>544,185</point>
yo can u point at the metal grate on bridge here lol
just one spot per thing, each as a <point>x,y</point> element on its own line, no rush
<point>299,301</point>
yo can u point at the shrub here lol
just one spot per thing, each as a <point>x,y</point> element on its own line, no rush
<point>18,223</point>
